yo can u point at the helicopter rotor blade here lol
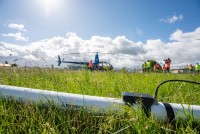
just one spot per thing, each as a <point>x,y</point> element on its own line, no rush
<point>78,53</point>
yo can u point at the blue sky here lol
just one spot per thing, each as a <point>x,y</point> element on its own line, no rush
<point>138,20</point>
<point>24,22</point>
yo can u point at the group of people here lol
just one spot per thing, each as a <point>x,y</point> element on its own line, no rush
<point>149,66</point>
<point>165,67</point>
<point>156,67</point>
<point>191,68</point>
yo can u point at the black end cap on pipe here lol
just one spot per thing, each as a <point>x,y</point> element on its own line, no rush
<point>147,101</point>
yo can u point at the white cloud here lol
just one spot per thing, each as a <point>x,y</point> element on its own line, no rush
<point>179,35</point>
<point>183,48</point>
<point>17,26</point>
<point>18,36</point>
<point>172,19</point>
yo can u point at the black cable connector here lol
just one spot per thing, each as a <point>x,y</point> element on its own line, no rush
<point>156,92</point>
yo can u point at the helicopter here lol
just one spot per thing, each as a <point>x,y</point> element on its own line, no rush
<point>96,65</point>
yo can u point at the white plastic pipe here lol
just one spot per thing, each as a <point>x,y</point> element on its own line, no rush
<point>60,98</point>
<point>160,111</point>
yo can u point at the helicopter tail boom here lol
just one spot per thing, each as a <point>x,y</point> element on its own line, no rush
<point>59,60</point>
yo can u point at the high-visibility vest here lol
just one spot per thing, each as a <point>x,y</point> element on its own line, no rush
<point>168,65</point>
<point>144,66</point>
<point>90,64</point>
<point>148,64</point>
<point>197,67</point>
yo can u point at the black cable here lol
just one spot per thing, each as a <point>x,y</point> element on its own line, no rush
<point>156,92</point>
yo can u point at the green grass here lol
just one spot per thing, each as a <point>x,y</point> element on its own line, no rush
<point>27,118</point>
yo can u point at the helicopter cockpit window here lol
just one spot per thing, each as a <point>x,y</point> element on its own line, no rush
<point>107,64</point>
<point>100,64</point>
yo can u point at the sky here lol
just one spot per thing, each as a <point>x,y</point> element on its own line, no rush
<point>35,32</point>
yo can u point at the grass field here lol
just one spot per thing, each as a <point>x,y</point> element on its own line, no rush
<point>24,118</point>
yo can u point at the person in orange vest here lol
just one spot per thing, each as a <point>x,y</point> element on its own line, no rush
<point>167,67</point>
<point>156,67</point>
<point>90,65</point>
